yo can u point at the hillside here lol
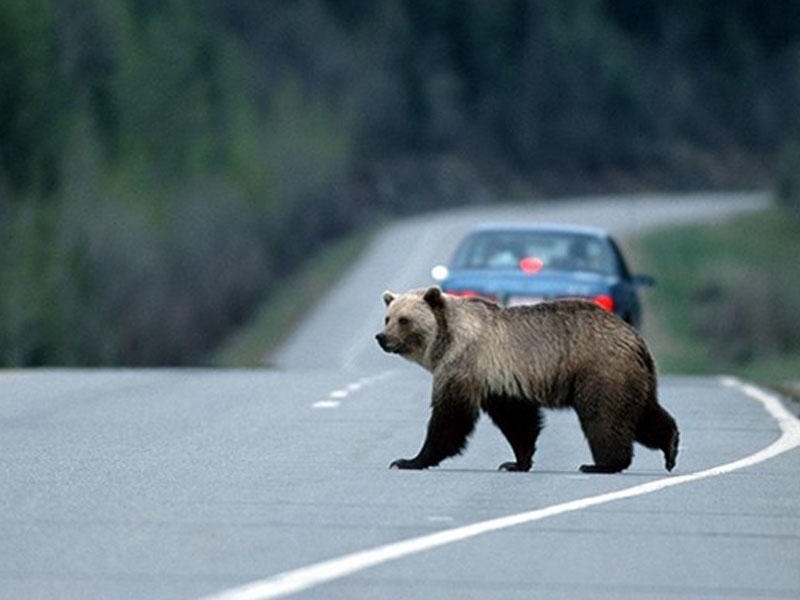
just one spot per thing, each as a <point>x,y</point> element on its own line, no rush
<point>164,164</point>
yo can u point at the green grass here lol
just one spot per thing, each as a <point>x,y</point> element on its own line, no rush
<point>727,298</point>
<point>286,306</point>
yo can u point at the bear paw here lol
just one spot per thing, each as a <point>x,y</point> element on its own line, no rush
<point>671,452</point>
<point>600,469</point>
<point>513,466</point>
<point>406,463</point>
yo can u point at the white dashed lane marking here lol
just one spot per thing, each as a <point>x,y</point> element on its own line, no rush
<point>326,404</point>
<point>336,396</point>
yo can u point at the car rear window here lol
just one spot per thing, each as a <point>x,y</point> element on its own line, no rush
<point>557,251</point>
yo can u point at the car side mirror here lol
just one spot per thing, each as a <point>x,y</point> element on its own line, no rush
<point>643,280</point>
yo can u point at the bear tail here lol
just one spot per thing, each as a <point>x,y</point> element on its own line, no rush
<point>657,430</point>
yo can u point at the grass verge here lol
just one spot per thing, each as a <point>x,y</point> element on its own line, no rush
<point>286,306</point>
<point>727,298</point>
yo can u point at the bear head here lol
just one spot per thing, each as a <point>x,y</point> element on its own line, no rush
<point>410,326</point>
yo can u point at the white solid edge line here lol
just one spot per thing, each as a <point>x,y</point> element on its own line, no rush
<point>303,578</point>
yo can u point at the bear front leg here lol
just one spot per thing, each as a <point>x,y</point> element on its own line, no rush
<point>452,421</point>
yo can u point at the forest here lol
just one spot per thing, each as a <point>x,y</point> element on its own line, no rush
<point>164,164</point>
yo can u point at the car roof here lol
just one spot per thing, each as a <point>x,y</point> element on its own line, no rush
<point>548,227</point>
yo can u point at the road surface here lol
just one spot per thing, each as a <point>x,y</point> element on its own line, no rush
<point>269,483</point>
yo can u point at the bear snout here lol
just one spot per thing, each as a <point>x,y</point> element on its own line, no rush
<point>381,337</point>
<point>387,345</point>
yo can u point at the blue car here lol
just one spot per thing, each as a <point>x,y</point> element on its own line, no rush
<point>526,264</point>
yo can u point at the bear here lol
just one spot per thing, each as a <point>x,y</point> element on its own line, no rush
<point>511,362</point>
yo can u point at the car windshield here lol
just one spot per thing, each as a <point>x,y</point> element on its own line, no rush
<point>551,250</point>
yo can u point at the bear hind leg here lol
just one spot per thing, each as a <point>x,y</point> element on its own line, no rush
<point>612,450</point>
<point>520,420</point>
<point>657,430</point>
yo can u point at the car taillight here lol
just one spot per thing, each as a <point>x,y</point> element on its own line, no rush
<point>604,301</point>
<point>471,294</point>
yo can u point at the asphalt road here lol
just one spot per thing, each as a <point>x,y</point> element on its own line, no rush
<point>192,483</point>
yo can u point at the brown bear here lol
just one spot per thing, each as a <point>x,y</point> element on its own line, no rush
<point>510,362</point>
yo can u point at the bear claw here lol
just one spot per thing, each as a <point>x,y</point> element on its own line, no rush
<point>512,466</point>
<point>405,463</point>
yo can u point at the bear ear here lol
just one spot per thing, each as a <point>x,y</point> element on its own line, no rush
<point>388,297</point>
<point>434,297</point>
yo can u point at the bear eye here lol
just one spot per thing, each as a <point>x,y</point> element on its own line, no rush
<point>386,321</point>
<point>402,321</point>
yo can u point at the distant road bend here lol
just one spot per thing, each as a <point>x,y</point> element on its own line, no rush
<point>402,256</point>
<point>237,484</point>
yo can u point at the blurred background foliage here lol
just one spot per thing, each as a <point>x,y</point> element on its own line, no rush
<point>164,163</point>
<point>727,297</point>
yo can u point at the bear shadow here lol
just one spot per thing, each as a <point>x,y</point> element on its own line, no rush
<point>635,474</point>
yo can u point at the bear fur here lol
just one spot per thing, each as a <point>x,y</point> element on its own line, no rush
<point>511,362</point>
